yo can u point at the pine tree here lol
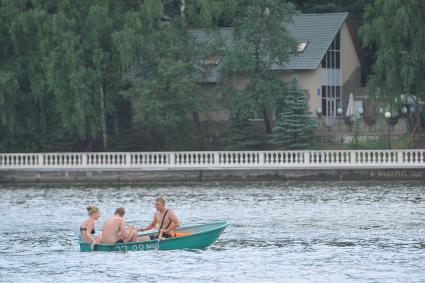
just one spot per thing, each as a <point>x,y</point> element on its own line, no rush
<point>294,126</point>
<point>243,135</point>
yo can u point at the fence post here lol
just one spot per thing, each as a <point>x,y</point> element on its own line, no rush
<point>216,158</point>
<point>399,157</point>
<point>172,158</point>
<point>261,158</point>
<point>84,159</point>
<point>306,158</point>
<point>40,160</point>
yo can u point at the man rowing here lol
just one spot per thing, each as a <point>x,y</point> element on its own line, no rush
<point>166,218</point>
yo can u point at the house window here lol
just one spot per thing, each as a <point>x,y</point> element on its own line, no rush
<point>331,79</point>
<point>211,60</point>
<point>332,58</point>
<point>301,46</point>
<point>331,100</point>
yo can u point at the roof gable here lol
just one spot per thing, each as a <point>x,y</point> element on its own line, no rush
<point>318,30</point>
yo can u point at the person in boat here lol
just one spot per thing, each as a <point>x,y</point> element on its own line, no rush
<point>166,219</point>
<point>114,230</point>
<point>87,231</point>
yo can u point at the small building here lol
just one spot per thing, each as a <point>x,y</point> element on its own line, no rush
<point>328,66</point>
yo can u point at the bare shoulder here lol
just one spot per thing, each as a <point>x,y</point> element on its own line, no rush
<point>114,220</point>
<point>172,212</point>
<point>155,216</point>
<point>89,222</point>
<point>83,224</point>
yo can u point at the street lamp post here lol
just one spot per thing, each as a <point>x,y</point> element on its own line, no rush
<point>387,117</point>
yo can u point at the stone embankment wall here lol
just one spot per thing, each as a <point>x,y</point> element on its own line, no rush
<point>110,175</point>
<point>350,165</point>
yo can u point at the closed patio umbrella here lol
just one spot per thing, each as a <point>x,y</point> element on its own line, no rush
<point>350,107</point>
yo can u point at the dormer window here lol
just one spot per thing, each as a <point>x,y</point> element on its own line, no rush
<point>211,60</point>
<point>301,46</point>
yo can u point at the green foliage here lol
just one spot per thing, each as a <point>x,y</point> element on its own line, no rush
<point>261,95</point>
<point>396,29</point>
<point>243,135</point>
<point>294,126</point>
<point>381,143</point>
<point>356,131</point>
<point>61,59</point>
<point>261,43</point>
<point>261,39</point>
<point>355,8</point>
<point>58,56</point>
<point>164,82</point>
<point>210,13</point>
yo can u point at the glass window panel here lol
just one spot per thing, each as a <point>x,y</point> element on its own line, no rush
<point>324,112</point>
<point>338,42</point>
<point>301,46</point>
<point>338,59</point>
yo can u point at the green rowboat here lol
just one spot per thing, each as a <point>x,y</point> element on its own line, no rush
<point>193,237</point>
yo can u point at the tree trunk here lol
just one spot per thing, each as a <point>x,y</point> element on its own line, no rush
<point>422,70</point>
<point>196,120</point>
<point>423,22</point>
<point>182,7</point>
<point>267,121</point>
<point>418,119</point>
<point>102,112</point>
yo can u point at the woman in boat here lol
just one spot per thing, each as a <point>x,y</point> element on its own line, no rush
<point>87,231</point>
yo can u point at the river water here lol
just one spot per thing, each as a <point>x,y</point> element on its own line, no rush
<point>279,232</point>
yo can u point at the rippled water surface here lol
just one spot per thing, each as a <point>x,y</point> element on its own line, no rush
<point>279,232</point>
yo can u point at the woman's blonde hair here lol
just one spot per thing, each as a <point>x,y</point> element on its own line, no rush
<point>92,208</point>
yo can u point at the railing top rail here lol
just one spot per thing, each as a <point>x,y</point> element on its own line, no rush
<point>210,152</point>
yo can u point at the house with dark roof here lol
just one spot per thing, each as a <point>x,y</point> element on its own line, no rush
<point>328,63</point>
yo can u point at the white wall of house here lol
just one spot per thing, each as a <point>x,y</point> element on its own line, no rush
<point>349,58</point>
<point>310,80</point>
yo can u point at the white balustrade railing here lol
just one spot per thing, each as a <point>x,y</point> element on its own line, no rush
<point>414,158</point>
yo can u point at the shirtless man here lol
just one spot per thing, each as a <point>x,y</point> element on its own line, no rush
<point>165,218</point>
<point>114,230</point>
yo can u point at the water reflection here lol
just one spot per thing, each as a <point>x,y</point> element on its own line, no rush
<point>279,232</point>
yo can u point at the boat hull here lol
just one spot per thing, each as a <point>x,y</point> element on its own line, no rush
<point>201,237</point>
